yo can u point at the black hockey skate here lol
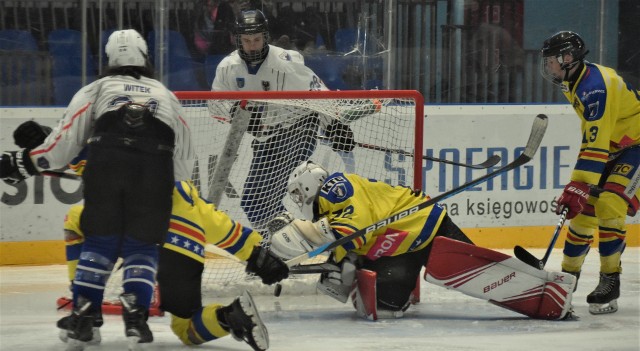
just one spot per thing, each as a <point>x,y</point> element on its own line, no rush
<point>80,325</point>
<point>604,298</point>
<point>135,321</point>
<point>242,320</point>
<point>63,325</point>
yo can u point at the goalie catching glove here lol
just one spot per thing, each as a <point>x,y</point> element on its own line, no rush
<point>300,236</point>
<point>267,266</point>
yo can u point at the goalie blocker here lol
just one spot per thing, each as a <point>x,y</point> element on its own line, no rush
<point>500,279</point>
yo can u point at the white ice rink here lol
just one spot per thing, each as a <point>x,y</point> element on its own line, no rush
<point>444,320</point>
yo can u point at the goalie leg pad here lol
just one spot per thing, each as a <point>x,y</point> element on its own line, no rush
<point>501,279</point>
<point>364,298</point>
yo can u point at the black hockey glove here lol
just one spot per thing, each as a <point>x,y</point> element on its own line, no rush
<point>341,136</point>
<point>16,166</point>
<point>267,266</point>
<point>30,134</point>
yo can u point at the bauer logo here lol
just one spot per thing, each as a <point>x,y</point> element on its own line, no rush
<point>496,284</point>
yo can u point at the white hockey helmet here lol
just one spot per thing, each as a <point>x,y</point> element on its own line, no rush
<point>304,185</point>
<point>126,48</point>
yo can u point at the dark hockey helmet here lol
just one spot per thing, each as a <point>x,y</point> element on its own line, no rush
<point>252,22</point>
<point>556,47</point>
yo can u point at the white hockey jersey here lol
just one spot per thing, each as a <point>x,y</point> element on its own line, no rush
<point>282,70</point>
<point>70,136</point>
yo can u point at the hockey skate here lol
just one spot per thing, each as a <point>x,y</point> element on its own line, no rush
<point>604,299</point>
<point>80,325</point>
<point>63,325</point>
<point>135,322</point>
<point>242,320</point>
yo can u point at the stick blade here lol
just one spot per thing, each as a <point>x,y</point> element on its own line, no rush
<point>537,133</point>
<point>526,257</point>
<point>490,162</point>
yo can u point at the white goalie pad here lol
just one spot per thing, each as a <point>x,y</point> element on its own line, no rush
<point>501,279</point>
<point>299,237</point>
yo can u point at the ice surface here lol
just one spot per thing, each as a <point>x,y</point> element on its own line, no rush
<point>444,320</point>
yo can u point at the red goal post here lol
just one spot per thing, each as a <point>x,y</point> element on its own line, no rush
<point>387,127</point>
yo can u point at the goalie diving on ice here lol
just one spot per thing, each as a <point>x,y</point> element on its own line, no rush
<point>379,265</point>
<point>379,271</point>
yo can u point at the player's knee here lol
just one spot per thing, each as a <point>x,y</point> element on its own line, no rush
<point>611,206</point>
<point>394,287</point>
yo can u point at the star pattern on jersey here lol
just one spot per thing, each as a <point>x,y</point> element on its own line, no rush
<point>187,244</point>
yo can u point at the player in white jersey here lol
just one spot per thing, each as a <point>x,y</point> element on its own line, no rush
<point>280,143</point>
<point>137,144</point>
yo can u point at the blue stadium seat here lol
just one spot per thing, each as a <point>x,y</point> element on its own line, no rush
<point>17,40</point>
<point>66,51</point>
<point>21,67</point>
<point>210,64</point>
<point>330,69</point>
<point>181,66</point>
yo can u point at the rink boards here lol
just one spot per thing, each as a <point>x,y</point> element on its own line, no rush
<point>514,208</point>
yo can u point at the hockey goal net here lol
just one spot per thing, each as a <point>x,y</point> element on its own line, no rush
<point>242,164</point>
<point>387,130</point>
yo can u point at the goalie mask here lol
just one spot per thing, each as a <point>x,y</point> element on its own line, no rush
<point>553,66</point>
<point>248,23</point>
<point>126,48</point>
<point>304,186</point>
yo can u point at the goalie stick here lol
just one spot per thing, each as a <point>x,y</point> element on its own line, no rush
<point>490,162</point>
<point>535,138</point>
<point>526,256</point>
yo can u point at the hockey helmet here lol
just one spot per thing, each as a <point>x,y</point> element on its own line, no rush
<point>126,48</point>
<point>556,47</point>
<point>304,185</point>
<point>252,22</point>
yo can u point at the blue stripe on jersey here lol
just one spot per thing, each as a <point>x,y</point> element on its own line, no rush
<point>590,166</point>
<point>233,249</point>
<point>183,193</point>
<point>429,227</point>
<point>184,220</point>
<point>350,230</point>
<point>595,149</point>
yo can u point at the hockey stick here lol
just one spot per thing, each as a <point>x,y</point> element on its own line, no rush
<point>526,256</point>
<point>62,175</point>
<point>535,138</point>
<point>490,162</point>
<point>314,268</point>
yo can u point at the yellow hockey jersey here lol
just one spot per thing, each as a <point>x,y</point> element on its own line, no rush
<point>609,110</point>
<point>195,222</point>
<point>351,202</point>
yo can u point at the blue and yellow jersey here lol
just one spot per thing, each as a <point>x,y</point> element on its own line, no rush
<point>609,111</point>
<point>351,202</point>
<point>195,222</point>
